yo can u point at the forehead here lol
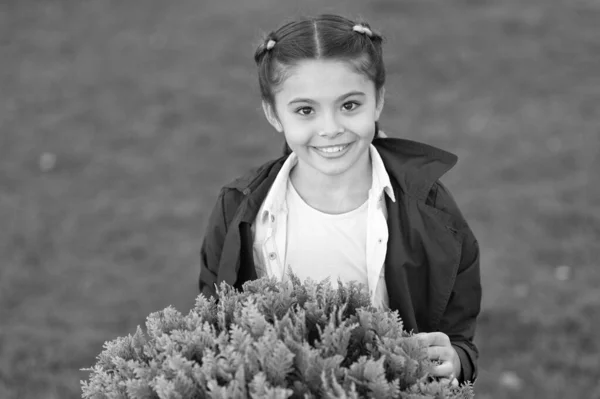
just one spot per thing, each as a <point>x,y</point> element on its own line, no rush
<point>324,79</point>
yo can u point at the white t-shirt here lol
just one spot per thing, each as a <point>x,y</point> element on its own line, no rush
<point>325,244</point>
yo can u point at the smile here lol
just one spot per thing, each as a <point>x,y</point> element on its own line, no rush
<point>331,150</point>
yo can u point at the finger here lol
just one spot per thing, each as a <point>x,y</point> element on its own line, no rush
<point>439,338</point>
<point>449,381</point>
<point>439,353</point>
<point>434,338</point>
<point>427,339</point>
<point>443,370</point>
<point>422,338</point>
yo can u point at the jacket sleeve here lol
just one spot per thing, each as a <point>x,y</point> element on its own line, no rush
<point>459,318</point>
<point>212,245</point>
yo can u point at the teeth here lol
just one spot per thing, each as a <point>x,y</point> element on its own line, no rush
<point>332,149</point>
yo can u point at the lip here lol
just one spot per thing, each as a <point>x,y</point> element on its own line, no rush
<point>333,154</point>
<point>332,146</point>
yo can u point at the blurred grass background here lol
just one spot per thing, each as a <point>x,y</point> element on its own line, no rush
<point>120,120</point>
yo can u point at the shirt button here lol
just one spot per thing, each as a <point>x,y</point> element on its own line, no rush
<point>380,241</point>
<point>272,256</point>
<point>246,191</point>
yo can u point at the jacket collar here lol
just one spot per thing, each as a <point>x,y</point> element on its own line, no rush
<point>414,166</point>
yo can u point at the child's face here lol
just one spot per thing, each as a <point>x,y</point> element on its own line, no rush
<point>326,103</point>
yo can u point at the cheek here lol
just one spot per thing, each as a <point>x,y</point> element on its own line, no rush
<point>288,119</point>
<point>297,131</point>
<point>363,124</point>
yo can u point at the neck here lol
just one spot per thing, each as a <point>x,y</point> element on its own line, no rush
<point>355,181</point>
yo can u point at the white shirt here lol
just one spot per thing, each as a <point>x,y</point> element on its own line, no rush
<point>270,233</point>
<point>325,245</point>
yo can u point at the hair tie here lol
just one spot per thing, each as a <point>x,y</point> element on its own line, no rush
<point>363,29</point>
<point>270,44</point>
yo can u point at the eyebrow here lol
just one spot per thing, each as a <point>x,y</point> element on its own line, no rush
<point>308,100</point>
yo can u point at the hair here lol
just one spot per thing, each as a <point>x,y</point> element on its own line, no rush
<point>322,37</point>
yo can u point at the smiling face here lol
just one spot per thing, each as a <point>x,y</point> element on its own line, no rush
<point>327,112</point>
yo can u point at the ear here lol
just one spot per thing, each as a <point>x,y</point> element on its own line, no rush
<point>272,116</point>
<point>380,102</point>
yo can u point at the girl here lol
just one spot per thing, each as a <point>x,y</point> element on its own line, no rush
<point>344,203</point>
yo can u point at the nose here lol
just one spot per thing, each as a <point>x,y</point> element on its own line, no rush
<point>330,126</point>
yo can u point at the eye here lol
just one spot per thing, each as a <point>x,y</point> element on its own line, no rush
<point>304,111</point>
<point>350,105</point>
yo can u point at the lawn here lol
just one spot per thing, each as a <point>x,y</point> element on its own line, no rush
<point>120,120</point>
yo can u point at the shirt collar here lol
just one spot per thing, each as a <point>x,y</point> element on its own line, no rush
<point>381,178</point>
<point>275,201</point>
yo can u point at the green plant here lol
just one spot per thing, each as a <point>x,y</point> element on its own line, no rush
<point>271,340</point>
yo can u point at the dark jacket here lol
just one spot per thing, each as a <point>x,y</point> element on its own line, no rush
<point>432,262</point>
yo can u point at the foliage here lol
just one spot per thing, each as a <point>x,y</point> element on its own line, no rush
<point>271,340</point>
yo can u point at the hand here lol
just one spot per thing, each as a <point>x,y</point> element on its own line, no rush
<point>439,348</point>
